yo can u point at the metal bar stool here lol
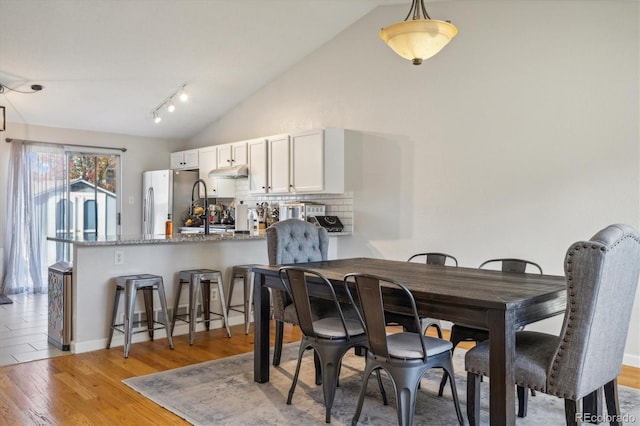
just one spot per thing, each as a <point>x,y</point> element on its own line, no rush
<point>199,281</point>
<point>130,284</point>
<point>244,272</point>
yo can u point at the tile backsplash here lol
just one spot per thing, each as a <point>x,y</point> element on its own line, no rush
<point>340,205</point>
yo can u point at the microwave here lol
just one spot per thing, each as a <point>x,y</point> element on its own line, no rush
<point>300,210</point>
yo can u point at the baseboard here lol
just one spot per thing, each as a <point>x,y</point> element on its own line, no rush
<point>180,328</point>
<point>631,360</point>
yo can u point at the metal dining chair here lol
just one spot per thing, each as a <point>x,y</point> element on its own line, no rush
<point>432,258</point>
<point>330,336</point>
<point>404,356</point>
<point>460,333</point>
<point>602,277</point>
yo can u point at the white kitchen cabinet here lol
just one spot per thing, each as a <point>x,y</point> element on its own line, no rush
<point>216,187</point>
<point>269,165</point>
<point>304,163</point>
<point>257,157</point>
<point>184,160</point>
<point>279,164</point>
<point>318,161</point>
<point>232,154</point>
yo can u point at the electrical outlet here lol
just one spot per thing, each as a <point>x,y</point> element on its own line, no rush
<point>118,257</point>
<point>214,293</point>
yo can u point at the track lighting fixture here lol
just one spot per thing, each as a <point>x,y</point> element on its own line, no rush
<point>169,104</point>
<point>35,88</point>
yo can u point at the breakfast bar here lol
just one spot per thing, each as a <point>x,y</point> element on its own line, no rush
<point>97,262</point>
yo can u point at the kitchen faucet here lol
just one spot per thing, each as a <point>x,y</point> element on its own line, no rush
<point>205,215</point>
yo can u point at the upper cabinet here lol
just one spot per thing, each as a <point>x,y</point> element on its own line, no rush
<point>184,160</point>
<point>279,164</point>
<point>318,161</point>
<point>269,165</point>
<point>305,162</point>
<point>216,188</point>
<point>257,156</point>
<point>232,154</point>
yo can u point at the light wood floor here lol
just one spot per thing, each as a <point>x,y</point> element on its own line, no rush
<point>87,388</point>
<point>23,330</point>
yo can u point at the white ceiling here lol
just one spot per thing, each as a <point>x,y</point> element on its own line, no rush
<point>107,64</point>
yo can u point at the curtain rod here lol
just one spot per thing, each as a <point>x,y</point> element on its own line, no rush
<point>9,140</point>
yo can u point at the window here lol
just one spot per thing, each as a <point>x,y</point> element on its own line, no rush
<point>56,191</point>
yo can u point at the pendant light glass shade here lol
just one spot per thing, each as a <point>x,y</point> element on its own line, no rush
<point>418,39</point>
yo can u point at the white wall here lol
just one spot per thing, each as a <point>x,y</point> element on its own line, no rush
<point>519,138</point>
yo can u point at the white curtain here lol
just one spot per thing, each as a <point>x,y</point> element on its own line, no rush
<point>36,183</point>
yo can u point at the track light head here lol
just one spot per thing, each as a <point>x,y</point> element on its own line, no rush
<point>169,104</point>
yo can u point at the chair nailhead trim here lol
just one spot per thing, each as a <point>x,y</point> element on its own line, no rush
<point>573,302</point>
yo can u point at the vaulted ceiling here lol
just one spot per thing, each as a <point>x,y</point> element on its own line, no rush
<point>106,65</point>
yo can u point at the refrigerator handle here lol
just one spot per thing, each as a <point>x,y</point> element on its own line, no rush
<point>151,211</point>
<point>144,213</point>
<point>146,206</point>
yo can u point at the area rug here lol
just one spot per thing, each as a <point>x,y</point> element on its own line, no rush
<point>223,392</point>
<point>5,300</point>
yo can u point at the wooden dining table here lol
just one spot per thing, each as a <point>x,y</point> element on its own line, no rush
<point>500,302</point>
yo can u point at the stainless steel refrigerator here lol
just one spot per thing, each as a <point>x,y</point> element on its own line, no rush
<point>165,192</point>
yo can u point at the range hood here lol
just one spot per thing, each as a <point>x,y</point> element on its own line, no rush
<point>232,172</point>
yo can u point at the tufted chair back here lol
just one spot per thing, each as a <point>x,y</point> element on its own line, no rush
<point>292,241</point>
<point>296,241</point>
<point>602,276</point>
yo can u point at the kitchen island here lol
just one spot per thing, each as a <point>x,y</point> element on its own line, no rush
<point>96,263</point>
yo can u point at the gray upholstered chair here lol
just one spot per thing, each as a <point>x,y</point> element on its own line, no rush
<point>288,242</point>
<point>404,356</point>
<point>330,337</point>
<point>602,276</point>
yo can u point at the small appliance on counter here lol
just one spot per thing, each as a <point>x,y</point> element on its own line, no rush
<point>242,218</point>
<point>300,210</point>
<point>330,223</point>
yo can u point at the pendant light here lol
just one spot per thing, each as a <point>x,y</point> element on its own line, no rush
<point>419,38</point>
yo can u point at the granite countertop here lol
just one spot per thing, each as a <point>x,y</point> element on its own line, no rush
<point>114,240</point>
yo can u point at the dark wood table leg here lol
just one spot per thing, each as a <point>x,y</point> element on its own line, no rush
<point>501,365</point>
<point>261,305</point>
